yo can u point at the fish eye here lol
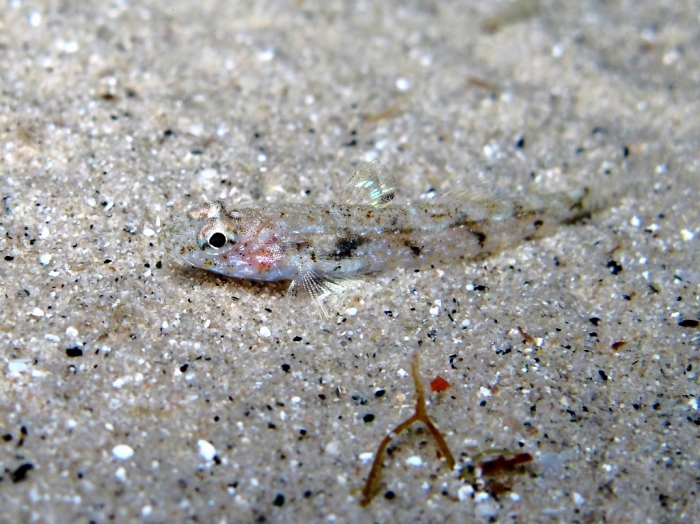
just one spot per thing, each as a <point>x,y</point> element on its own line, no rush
<point>215,235</point>
<point>217,240</point>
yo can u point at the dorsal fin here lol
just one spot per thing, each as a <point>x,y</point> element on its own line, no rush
<point>370,185</point>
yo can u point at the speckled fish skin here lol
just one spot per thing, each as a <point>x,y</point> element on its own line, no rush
<point>327,243</point>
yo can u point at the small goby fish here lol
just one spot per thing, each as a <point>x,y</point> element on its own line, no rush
<point>319,248</point>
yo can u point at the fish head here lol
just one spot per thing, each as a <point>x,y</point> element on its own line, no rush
<point>237,243</point>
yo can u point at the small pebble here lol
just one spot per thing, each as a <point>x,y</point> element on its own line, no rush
<point>36,312</point>
<point>70,46</point>
<point>402,84</point>
<point>481,496</point>
<point>487,510</point>
<point>370,155</point>
<point>332,448</point>
<point>484,392</point>
<point>465,492</point>
<point>366,457</point>
<point>265,332</point>
<point>122,452</point>
<point>17,366</point>
<point>35,19</point>
<point>206,450</point>
<point>415,461</point>
<point>687,234</point>
<point>267,55</point>
<point>44,259</point>
<point>196,129</point>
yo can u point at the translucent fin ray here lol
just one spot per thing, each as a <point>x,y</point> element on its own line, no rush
<point>319,288</point>
<point>371,184</point>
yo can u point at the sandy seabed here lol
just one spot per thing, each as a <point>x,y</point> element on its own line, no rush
<point>134,388</point>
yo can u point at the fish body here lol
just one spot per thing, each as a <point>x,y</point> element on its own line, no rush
<point>319,247</point>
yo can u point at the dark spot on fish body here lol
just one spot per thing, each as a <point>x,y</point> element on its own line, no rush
<point>480,237</point>
<point>344,247</point>
<point>538,224</point>
<point>414,248</point>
